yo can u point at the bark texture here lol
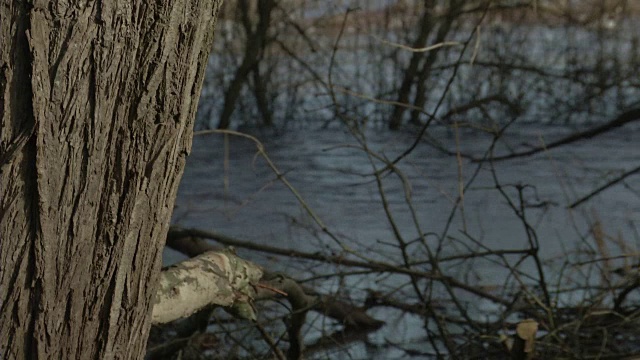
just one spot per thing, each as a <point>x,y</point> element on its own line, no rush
<point>98,100</point>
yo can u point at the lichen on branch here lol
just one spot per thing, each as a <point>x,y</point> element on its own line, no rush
<point>213,278</point>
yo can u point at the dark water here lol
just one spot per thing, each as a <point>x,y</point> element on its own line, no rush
<point>245,200</point>
<point>335,182</point>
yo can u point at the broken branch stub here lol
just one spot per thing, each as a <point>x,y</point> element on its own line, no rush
<point>213,278</point>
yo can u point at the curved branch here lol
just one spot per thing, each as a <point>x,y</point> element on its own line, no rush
<point>622,119</point>
<point>212,278</point>
<point>175,233</point>
<point>604,187</point>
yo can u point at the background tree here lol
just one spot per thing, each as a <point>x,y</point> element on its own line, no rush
<point>481,79</point>
<point>98,101</point>
<point>254,47</point>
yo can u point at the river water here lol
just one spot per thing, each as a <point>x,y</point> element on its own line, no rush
<point>235,193</point>
<point>334,179</point>
<point>228,188</point>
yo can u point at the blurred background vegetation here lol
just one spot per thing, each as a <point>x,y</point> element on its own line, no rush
<point>463,170</point>
<point>285,63</point>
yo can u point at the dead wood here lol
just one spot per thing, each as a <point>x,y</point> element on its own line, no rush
<point>622,119</point>
<point>301,297</point>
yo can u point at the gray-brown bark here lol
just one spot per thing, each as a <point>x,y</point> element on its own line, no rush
<point>98,101</point>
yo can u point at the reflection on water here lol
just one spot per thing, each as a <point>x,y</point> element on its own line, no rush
<point>335,181</point>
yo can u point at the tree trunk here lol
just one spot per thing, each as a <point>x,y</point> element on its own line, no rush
<point>98,101</point>
<point>408,79</point>
<point>253,53</point>
<point>444,28</point>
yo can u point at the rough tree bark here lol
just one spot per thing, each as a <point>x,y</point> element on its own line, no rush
<point>98,100</point>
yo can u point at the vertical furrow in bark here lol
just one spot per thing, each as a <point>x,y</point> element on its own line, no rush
<point>16,177</point>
